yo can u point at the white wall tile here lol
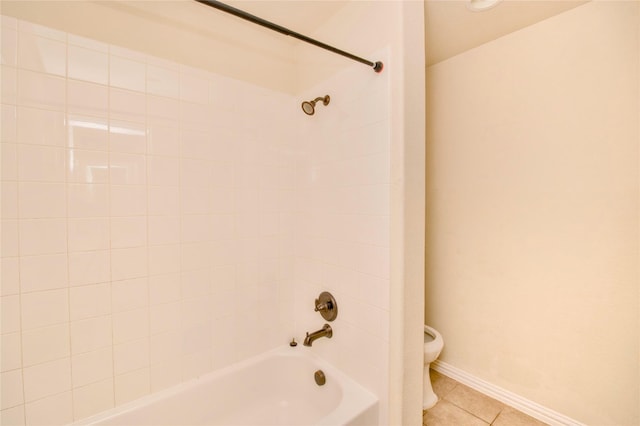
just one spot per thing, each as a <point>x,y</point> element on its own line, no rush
<point>92,367</point>
<point>163,81</point>
<point>88,233</point>
<point>53,410</point>
<point>165,375</point>
<point>128,263</point>
<point>89,301</point>
<point>163,139</point>
<point>88,200</point>
<point>47,379</point>
<point>45,344</point>
<point>10,200</point>
<point>44,308</point>
<point>41,200</point>
<point>45,272</point>
<point>76,40</point>
<point>127,136</point>
<point>9,47</point>
<point>195,256</point>
<point>142,233</point>
<point>164,200</point>
<point>164,230</point>
<point>164,288</point>
<point>11,356</point>
<point>196,228</point>
<point>88,65</point>
<point>85,166</point>
<point>92,399</point>
<point>123,52</point>
<point>13,416</point>
<point>43,236</point>
<point>8,114</point>
<point>127,169</point>
<point>164,317</point>
<point>12,389</point>
<point>127,74</point>
<point>196,283</point>
<point>165,347</point>
<point>130,294</point>
<point>195,200</point>
<point>127,105</point>
<point>10,237</point>
<point>163,170</point>
<point>128,200</point>
<point>86,132</point>
<point>162,108</point>
<point>128,231</point>
<point>130,356</point>
<point>130,325</point>
<point>9,92</point>
<point>10,314</point>
<point>195,172</point>
<point>164,259</point>
<point>132,385</point>
<point>91,334</point>
<point>87,98</point>
<point>51,128</point>
<point>42,54</point>
<point>40,90</point>
<point>89,267</point>
<point>9,161</point>
<point>40,163</point>
<point>194,88</point>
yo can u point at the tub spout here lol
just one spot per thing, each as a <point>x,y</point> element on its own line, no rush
<point>325,331</point>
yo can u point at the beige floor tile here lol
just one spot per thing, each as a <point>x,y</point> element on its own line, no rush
<point>441,384</point>
<point>447,414</point>
<point>512,417</point>
<point>475,403</point>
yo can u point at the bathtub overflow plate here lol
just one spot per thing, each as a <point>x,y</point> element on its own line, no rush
<point>320,378</point>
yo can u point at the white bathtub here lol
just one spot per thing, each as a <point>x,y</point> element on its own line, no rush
<point>275,388</point>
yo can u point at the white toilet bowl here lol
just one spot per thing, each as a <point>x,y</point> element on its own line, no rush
<point>433,344</point>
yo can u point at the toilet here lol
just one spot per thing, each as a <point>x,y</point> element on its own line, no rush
<point>433,345</point>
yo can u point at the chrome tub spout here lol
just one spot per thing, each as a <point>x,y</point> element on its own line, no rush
<point>325,331</point>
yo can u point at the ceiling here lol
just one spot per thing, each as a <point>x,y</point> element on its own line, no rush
<point>451,28</point>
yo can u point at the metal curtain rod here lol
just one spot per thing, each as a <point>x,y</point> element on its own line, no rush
<point>377,66</point>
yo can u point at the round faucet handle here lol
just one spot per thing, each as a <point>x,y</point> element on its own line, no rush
<point>327,306</point>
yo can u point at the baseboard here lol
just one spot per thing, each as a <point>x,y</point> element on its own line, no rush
<point>531,408</point>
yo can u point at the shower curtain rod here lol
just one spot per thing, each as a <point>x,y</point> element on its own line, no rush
<point>377,66</point>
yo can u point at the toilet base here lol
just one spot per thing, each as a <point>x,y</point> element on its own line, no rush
<point>429,398</point>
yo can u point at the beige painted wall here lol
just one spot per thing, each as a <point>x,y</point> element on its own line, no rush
<point>533,212</point>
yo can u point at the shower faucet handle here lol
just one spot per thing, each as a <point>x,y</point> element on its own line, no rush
<point>323,306</point>
<point>327,306</point>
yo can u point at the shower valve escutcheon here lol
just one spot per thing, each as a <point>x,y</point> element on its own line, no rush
<point>327,306</point>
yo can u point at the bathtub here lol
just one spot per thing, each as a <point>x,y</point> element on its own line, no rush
<point>274,388</point>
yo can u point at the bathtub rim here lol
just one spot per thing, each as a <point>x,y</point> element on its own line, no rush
<point>342,414</point>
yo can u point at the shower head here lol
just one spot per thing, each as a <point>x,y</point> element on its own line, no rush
<point>309,107</point>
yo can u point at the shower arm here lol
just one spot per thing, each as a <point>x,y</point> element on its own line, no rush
<point>377,66</point>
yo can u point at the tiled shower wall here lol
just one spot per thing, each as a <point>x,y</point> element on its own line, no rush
<point>343,222</point>
<point>146,223</point>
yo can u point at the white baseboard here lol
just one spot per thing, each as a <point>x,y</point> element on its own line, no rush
<point>531,408</point>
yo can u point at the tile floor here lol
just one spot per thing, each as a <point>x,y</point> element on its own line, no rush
<point>459,405</point>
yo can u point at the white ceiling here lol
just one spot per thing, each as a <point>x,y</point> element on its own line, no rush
<point>451,28</point>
